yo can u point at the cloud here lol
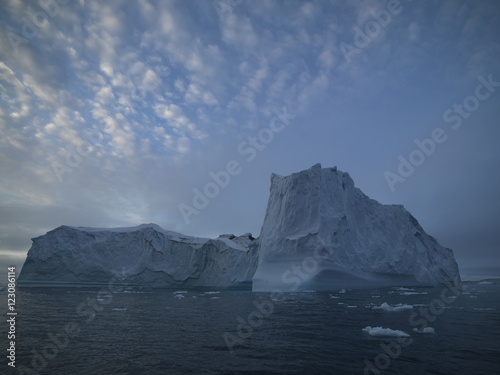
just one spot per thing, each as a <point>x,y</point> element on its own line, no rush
<point>169,89</point>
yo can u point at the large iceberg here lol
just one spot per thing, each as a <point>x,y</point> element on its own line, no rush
<point>322,233</point>
<point>142,255</point>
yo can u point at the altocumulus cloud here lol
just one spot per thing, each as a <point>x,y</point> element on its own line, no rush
<point>111,113</point>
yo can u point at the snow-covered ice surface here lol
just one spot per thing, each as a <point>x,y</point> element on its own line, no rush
<point>143,255</point>
<point>321,232</point>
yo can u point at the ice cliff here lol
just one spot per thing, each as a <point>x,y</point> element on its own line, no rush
<point>142,255</point>
<point>320,232</point>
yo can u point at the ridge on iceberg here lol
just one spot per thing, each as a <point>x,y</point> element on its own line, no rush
<point>321,232</point>
<point>142,255</point>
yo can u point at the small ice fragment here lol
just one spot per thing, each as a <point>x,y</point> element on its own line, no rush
<point>399,307</point>
<point>384,332</point>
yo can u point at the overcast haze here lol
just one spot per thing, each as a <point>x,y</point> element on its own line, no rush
<point>147,98</point>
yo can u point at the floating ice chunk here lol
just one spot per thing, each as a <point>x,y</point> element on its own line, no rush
<point>217,292</point>
<point>376,296</point>
<point>384,332</point>
<point>485,283</point>
<point>332,296</point>
<point>408,289</point>
<point>119,309</point>
<point>342,291</point>
<point>425,330</point>
<point>179,296</point>
<point>399,307</point>
<point>180,292</point>
<point>351,306</point>
<point>214,297</point>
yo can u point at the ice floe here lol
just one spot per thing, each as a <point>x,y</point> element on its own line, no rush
<point>384,332</point>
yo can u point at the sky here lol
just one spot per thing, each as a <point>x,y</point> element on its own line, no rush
<point>119,113</point>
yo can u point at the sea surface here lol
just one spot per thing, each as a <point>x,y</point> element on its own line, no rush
<point>136,331</point>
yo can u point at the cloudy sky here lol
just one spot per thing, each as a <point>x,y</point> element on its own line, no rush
<point>117,113</point>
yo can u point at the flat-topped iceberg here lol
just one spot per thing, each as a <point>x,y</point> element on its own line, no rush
<point>142,255</point>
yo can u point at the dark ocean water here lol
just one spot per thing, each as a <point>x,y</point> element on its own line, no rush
<point>141,331</point>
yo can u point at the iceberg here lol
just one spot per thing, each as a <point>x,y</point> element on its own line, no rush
<point>321,232</point>
<point>145,255</point>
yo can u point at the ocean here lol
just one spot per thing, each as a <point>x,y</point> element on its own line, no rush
<point>140,331</point>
